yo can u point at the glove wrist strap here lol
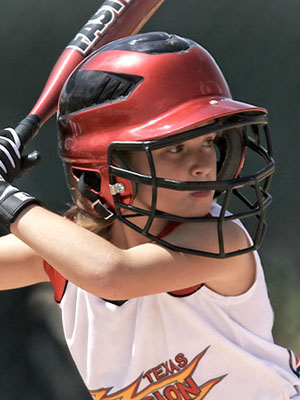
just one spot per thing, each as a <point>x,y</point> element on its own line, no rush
<point>13,205</point>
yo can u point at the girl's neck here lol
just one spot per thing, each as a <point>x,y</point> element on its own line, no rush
<point>125,237</point>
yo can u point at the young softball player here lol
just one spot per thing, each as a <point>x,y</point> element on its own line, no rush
<point>160,285</point>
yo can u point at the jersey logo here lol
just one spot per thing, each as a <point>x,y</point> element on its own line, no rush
<point>168,381</point>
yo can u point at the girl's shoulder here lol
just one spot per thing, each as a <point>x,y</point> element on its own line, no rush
<point>204,236</point>
<point>227,276</point>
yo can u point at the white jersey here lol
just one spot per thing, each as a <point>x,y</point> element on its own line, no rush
<point>178,347</point>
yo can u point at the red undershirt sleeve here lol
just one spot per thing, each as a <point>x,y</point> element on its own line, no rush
<point>58,282</point>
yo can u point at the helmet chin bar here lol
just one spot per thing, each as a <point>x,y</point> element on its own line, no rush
<point>248,193</point>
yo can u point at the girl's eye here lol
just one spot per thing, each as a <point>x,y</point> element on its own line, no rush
<point>175,149</point>
<point>209,142</point>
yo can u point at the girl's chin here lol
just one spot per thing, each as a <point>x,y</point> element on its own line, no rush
<point>193,204</point>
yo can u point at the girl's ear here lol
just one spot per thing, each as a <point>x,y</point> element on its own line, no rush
<point>230,154</point>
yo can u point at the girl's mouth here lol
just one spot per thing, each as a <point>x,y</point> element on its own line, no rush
<point>202,193</point>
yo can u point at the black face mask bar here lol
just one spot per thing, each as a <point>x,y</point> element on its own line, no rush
<point>256,139</point>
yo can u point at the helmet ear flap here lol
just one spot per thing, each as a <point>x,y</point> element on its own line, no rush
<point>231,149</point>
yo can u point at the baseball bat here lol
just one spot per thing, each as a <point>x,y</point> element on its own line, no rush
<point>113,20</point>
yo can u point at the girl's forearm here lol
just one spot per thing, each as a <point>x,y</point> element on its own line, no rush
<point>79,255</point>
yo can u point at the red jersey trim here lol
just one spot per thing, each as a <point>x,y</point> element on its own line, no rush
<point>186,292</point>
<point>168,229</point>
<point>58,282</point>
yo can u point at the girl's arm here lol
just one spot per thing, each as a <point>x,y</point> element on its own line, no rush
<point>99,267</point>
<point>19,264</point>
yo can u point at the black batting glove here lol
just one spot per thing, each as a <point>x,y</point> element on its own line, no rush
<point>12,203</point>
<point>12,163</point>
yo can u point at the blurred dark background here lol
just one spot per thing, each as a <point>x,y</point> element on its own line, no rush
<point>257,46</point>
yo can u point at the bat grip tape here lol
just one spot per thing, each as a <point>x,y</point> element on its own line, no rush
<point>28,128</point>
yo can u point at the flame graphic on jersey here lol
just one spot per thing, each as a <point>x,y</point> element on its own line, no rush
<point>179,386</point>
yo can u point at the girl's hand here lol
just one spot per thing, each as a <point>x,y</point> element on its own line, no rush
<point>12,163</point>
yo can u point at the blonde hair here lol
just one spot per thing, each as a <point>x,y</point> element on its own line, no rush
<point>92,223</point>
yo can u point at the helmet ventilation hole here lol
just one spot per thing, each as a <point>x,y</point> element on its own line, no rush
<point>91,178</point>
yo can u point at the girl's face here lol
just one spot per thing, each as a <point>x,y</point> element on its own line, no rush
<point>192,160</point>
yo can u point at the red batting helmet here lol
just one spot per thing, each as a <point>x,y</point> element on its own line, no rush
<point>145,92</point>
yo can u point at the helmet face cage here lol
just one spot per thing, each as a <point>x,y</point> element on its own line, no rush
<point>247,194</point>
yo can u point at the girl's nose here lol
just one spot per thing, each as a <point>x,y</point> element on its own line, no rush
<point>202,165</point>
